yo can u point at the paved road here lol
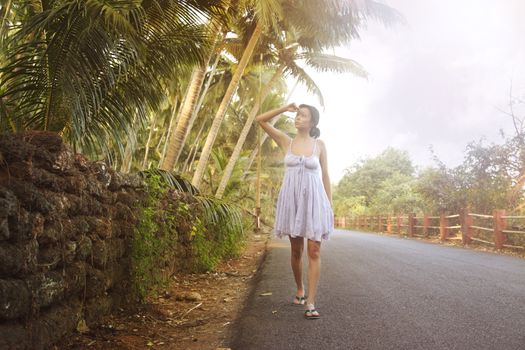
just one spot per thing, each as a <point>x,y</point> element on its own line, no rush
<point>379,292</point>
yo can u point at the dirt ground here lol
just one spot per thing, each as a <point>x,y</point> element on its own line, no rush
<point>196,312</point>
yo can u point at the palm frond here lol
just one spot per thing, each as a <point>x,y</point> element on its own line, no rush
<point>215,211</point>
<point>300,74</point>
<point>331,63</point>
<point>172,180</point>
<point>87,68</point>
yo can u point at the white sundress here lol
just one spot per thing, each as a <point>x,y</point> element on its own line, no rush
<point>303,208</point>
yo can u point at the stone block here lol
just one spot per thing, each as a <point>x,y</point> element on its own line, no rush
<point>79,226</point>
<point>8,203</point>
<point>4,229</point>
<point>96,308</point>
<point>25,225</point>
<point>15,299</point>
<point>8,208</point>
<point>100,254</point>
<point>47,288</point>
<point>75,278</point>
<point>101,172</point>
<point>49,257</point>
<point>55,323</point>
<point>75,184</point>
<point>97,283</point>
<point>42,332</point>
<point>100,226</point>
<point>18,259</point>
<point>85,248</point>
<point>15,149</point>
<point>30,197</point>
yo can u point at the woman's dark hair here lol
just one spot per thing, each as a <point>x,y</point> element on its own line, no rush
<point>314,113</point>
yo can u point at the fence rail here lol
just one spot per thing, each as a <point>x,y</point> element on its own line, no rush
<point>462,224</point>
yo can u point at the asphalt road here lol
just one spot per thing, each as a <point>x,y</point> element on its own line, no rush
<point>382,292</point>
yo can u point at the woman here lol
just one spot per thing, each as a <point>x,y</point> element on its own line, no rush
<point>304,206</point>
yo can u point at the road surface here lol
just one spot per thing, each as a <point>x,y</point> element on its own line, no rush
<point>384,292</point>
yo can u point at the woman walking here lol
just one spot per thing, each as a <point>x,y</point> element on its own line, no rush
<point>304,205</point>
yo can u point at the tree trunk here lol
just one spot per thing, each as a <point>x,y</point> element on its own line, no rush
<point>7,9</point>
<point>195,111</point>
<point>128,158</point>
<point>187,110</point>
<point>168,132</point>
<point>128,151</point>
<point>150,135</point>
<point>176,137</point>
<point>193,151</point>
<point>244,133</point>
<point>217,121</point>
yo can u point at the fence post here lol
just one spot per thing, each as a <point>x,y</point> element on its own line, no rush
<point>399,225</point>
<point>443,230</point>
<point>379,224</point>
<point>343,224</point>
<point>426,224</point>
<point>466,223</point>
<point>389,224</point>
<point>499,225</point>
<point>411,223</point>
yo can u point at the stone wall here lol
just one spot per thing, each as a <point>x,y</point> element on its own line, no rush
<point>65,230</point>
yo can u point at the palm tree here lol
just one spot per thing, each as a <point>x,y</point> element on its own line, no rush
<point>287,56</point>
<point>320,25</point>
<point>87,68</point>
<point>177,137</point>
<point>217,121</point>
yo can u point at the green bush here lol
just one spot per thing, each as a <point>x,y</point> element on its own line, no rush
<point>181,231</point>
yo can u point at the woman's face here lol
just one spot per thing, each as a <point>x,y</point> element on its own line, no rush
<point>303,119</point>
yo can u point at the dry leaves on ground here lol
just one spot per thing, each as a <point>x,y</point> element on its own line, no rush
<point>196,312</point>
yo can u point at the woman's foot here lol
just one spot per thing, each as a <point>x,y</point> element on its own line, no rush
<point>298,300</point>
<point>311,313</point>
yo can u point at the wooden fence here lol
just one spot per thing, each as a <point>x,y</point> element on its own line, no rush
<point>503,230</point>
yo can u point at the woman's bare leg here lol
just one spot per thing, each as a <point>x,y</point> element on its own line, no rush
<point>297,245</point>
<point>314,269</point>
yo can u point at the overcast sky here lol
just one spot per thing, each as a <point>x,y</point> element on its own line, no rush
<point>437,81</point>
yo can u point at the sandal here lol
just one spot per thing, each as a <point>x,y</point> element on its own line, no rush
<point>299,300</point>
<point>311,313</point>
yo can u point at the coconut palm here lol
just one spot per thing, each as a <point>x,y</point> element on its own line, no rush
<point>221,111</point>
<point>178,135</point>
<point>319,24</point>
<point>287,56</point>
<point>86,68</point>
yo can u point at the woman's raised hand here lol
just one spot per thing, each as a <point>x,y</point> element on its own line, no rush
<point>292,107</point>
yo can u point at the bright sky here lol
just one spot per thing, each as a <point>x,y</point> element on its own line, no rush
<point>437,81</point>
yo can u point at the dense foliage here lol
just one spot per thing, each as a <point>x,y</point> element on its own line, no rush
<point>490,177</point>
<point>181,230</point>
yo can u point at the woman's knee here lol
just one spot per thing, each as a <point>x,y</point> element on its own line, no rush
<point>297,252</point>
<point>314,251</point>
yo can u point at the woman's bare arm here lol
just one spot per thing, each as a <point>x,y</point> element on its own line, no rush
<point>277,135</point>
<point>323,159</point>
